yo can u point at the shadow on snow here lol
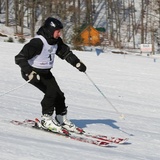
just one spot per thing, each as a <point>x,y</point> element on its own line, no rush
<point>84,122</point>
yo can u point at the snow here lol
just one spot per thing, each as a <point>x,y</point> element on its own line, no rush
<point>131,83</point>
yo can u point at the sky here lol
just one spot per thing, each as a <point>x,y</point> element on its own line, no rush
<point>130,82</point>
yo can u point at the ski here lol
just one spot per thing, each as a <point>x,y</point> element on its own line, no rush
<point>34,124</point>
<point>110,139</point>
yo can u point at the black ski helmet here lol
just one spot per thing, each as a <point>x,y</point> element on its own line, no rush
<point>52,24</point>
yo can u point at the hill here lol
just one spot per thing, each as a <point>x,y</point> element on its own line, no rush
<point>130,82</point>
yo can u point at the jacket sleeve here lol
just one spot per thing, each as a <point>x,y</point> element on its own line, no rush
<point>31,49</point>
<point>64,52</point>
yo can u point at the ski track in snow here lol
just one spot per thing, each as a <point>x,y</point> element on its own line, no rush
<point>131,83</point>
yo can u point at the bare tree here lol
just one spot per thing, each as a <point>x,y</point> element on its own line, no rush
<point>142,22</point>
<point>133,21</point>
<point>16,15</point>
<point>0,6</point>
<point>7,12</point>
<point>88,4</point>
<point>110,21</point>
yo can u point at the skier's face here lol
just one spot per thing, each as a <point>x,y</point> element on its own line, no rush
<point>57,34</point>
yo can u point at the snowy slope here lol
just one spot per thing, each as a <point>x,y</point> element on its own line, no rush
<point>130,82</point>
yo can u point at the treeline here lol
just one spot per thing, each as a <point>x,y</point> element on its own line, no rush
<point>121,23</point>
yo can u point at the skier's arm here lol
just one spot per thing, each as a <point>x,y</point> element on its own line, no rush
<point>29,50</point>
<point>64,52</point>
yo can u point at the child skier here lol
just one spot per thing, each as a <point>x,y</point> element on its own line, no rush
<point>36,60</point>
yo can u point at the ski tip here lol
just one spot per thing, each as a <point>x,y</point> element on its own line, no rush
<point>124,141</point>
<point>120,141</point>
<point>16,122</point>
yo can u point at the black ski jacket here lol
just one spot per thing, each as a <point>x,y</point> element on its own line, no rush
<point>34,47</point>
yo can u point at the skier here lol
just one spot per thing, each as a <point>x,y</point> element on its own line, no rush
<point>36,60</point>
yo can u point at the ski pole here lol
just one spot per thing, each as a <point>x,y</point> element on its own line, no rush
<point>121,115</point>
<point>14,89</point>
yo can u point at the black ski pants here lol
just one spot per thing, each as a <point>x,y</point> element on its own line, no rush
<point>53,96</point>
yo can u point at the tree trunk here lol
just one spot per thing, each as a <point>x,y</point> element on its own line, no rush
<point>16,16</point>
<point>7,12</point>
<point>142,23</point>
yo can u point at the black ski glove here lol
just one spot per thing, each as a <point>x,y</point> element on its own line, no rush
<point>81,67</point>
<point>34,77</point>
